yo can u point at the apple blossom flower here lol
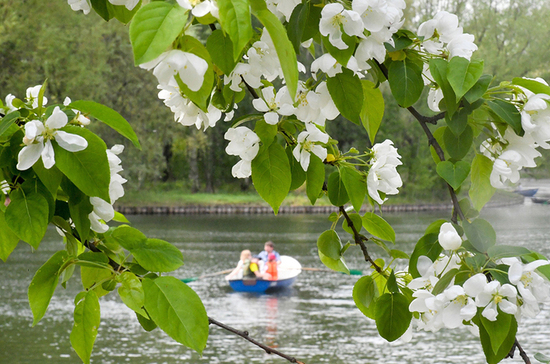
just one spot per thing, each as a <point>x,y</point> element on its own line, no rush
<point>333,18</point>
<point>38,138</point>
<point>372,12</point>
<point>200,8</point>
<point>308,142</point>
<point>383,175</point>
<point>129,4</point>
<point>496,295</point>
<point>32,95</point>
<point>190,68</point>
<point>531,286</point>
<point>244,143</point>
<point>327,64</point>
<point>448,237</point>
<point>282,7</point>
<point>81,119</point>
<point>269,104</point>
<point>102,213</point>
<point>435,95</point>
<point>9,103</point>
<point>83,5</point>
<point>535,119</point>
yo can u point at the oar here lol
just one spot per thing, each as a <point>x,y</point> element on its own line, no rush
<point>192,279</point>
<point>353,272</point>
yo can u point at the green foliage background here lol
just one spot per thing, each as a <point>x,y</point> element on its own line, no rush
<point>91,60</point>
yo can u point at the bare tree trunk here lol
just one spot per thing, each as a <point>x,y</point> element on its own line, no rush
<point>192,155</point>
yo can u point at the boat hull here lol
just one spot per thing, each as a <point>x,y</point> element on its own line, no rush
<point>259,285</point>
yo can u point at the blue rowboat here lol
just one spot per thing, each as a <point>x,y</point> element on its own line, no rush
<point>530,192</point>
<point>287,272</point>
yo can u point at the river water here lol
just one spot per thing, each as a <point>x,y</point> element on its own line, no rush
<point>315,321</point>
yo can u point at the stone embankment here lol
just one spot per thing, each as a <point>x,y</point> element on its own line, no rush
<point>253,210</point>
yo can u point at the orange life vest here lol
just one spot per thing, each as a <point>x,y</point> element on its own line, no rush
<point>272,269</point>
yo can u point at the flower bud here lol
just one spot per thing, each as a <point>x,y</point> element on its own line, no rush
<point>448,237</point>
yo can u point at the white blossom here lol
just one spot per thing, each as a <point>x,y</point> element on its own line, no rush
<point>81,119</point>
<point>535,119</point>
<point>189,67</point>
<point>327,64</point>
<point>9,103</point>
<point>448,237</point>
<point>38,138</point>
<point>383,175</point>
<point>244,143</point>
<point>496,296</point>
<point>333,18</point>
<point>4,187</point>
<point>129,4</point>
<point>309,142</point>
<point>269,104</point>
<point>32,95</point>
<point>83,5</point>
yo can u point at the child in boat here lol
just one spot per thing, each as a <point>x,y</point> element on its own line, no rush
<point>247,268</point>
<point>269,248</point>
<point>271,271</point>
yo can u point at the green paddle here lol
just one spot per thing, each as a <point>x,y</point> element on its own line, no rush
<point>192,279</point>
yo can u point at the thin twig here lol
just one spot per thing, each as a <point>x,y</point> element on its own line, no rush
<point>244,334</point>
<point>117,267</point>
<point>522,353</point>
<point>433,142</point>
<point>360,240</point>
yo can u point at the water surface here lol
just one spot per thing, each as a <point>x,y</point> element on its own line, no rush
<point>316,320</point>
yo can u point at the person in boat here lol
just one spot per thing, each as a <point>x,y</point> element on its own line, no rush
<point>271,268</point>
<point>269,248</point>
<point>247,268</point>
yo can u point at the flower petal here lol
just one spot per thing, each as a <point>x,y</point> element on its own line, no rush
<point>29,155</point>
<point>57,119</point>
<point>48,155</point>
<point>70,142</point>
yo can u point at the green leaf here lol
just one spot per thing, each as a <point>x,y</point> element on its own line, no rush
<point>458,122</point>
<point>154,28</point>
<point>453,173</point>
<point>365,293</point>
<point>283,46</point>
<point>356,221</point>
<point>298,174</point>
<point>346,91</point>
<point>200,98</point>
<point>8,239</point>
<point>315,177</point>
<point>271,175</point>
<point>479,89</point>
<point>220,47</point>
<point>391,285</point>
<point>481,189</point>
<point>372,111</point>
<point>7,121</point>
<point>506,251</point>
<point>51,178</point>
<point>154,255</point>
<point>92,276</point>
<point>86,324</point>
<point>406,82</point>
<point>508,113</point>
<point>355,184</point>
<point>497,337</point>
<point>148,325</point>
<point>87,169</point>
<point>79,207</point>
<point>338,265</point>
<point>177,310</point>
<point>341,55</point>
<point>236,22</point>
<point>542,358</point>
<point>444,281</point>
<point>27,216</point>
<point>107,116</point>
<point>392,315</point>
<point>100,7</point>
<point>438,69</point>
<point>463,74</point>
<point>458,145</point>
<point>481,234</point>
<point>532,85</point>
<point>303,23</point>
<point>266,132</point>
<point>329,244</point>
<point>336,190</point>
<point>131,293</point>
<point>43,285</point>
<point>427,246</point>
<point>121,13</point>
<point>379,227</point>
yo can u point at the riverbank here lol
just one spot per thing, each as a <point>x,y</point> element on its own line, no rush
<point>225,204</point>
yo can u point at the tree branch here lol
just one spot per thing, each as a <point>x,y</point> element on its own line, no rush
<point>433,142</point>
<point>244,334</point>
<point>522,353</point>
<point>360,240</point>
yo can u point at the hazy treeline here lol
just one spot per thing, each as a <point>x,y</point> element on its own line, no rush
<point>84,59</point>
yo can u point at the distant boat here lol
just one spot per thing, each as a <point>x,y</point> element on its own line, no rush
<point>528,192</point>
<point>541,200</point>
<point>287,272</point>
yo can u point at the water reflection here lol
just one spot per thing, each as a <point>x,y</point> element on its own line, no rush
<point>315,321</point>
